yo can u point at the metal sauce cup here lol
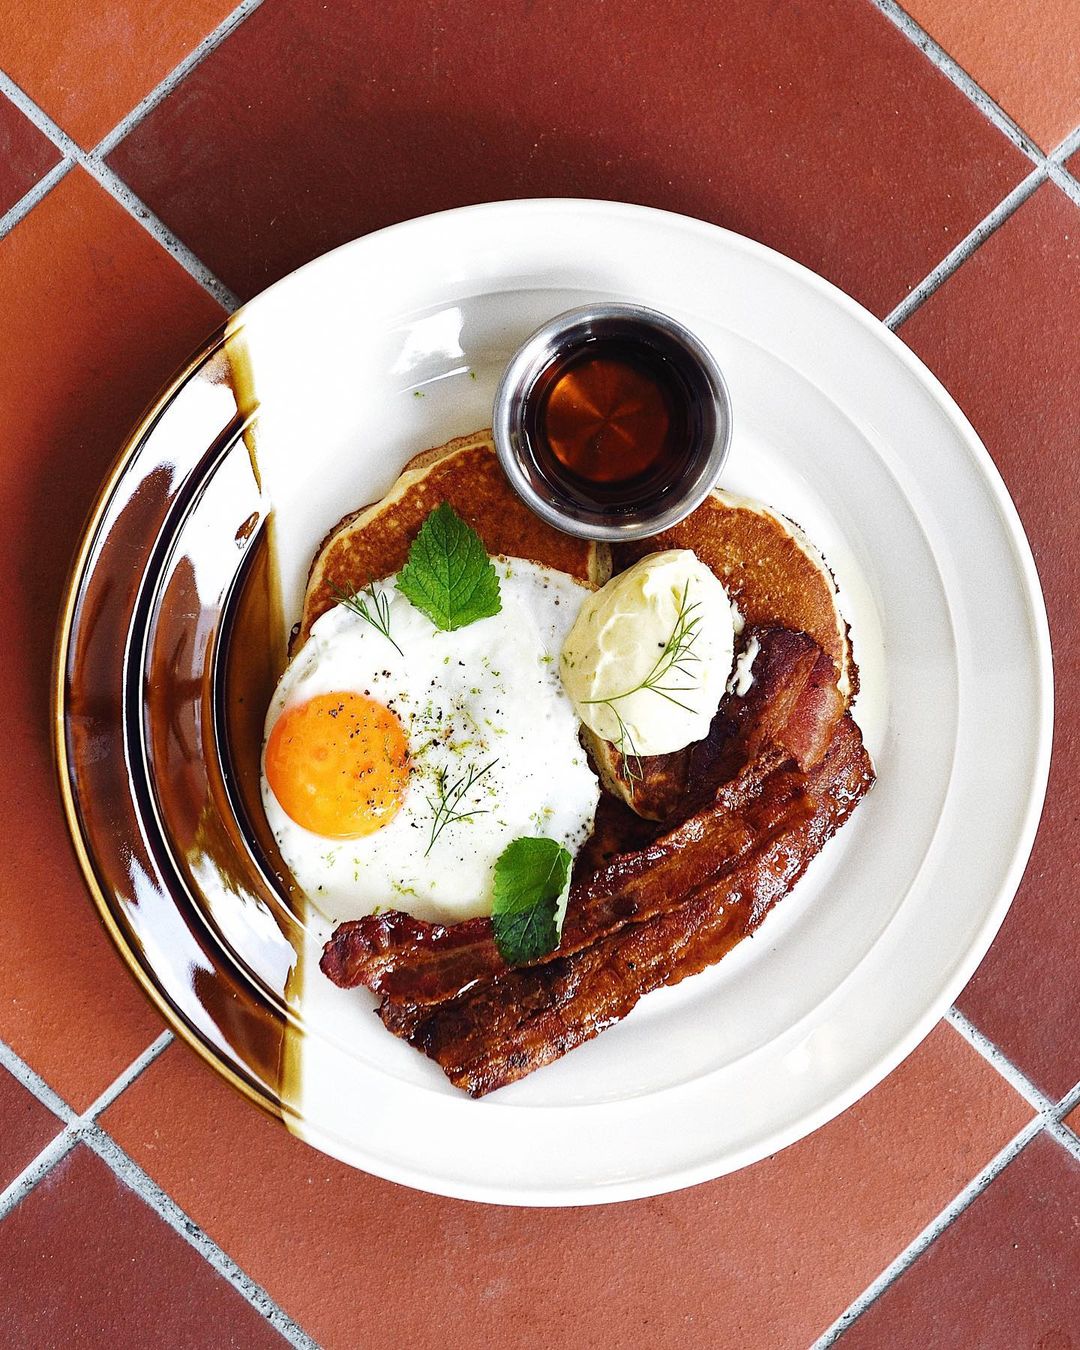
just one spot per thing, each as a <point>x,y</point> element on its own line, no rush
<point>631,326</point>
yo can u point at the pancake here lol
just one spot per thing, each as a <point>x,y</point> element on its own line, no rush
<point>768,566</point>
<point>373,542</point>
<point>779,581</point>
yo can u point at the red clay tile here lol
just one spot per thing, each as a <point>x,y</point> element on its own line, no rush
<point>1073,1121</point>
<point>88,62</point>
<point>25,1128</point>
<point>1024,53</point>
<point>1004,1275</point>
<point>25,154</point>
<point>94,316</point>
<point>1002,335</point>
<point>769,1256</point>
<point>88,1263</point>
<point>818,128</point>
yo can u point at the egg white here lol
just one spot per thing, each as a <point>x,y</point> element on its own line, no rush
<point>487,692</point>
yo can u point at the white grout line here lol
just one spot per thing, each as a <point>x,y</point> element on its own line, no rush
<point>35,1084</point>
<point>125,1079</point>
<point>85,1129</point>
<point>129,1171</point>
<point>39,117</point>
<point>1061,175</point>
<point>1053,1113</point>
<point>161,232</point>
<point>1023,1085</point>
<point>1070,1100</point>
<point>36,1170</point>
<point>65,1141</point>
<point>957,75</point>
<point>178,73</point>
<point>1051,165</point>
<point>965,248</point>
<point>930,1233</point>
<point>1048,1119</point>
<point>30,199</point>
<point>1064,180</point>
<point>92,162</point>
<point>1065,148</point>
<point>1065,1137</point>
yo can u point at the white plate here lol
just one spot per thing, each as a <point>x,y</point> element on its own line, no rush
<point>395,342</point>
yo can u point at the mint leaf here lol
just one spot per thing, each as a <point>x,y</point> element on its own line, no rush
<point>532,881</point>
<point>448,575</point>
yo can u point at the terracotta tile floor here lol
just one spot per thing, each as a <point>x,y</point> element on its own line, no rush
<point>852,1195</point>
<point>824,130</point>
<point>303,132</point>
<point>27,1127</point>
<point>25,155</point>
<point>1006,1271</point>
<point>86,1262</point>
<point>92,313</point>
<point>1023,53</point>
<point>87,63</point>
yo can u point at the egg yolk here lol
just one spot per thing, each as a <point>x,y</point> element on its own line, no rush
<point>338,764</point>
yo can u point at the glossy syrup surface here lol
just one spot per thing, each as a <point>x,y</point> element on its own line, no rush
<point>610,422</point>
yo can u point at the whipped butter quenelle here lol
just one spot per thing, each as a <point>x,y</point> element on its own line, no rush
<point>649,656</point>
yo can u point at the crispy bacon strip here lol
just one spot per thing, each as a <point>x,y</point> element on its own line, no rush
<point>444,961</point>
<point>507,1027</point>
<point>788,713</point>
<point>792,705</point>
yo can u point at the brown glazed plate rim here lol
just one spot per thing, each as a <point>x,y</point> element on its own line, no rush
<point>267,1102</point>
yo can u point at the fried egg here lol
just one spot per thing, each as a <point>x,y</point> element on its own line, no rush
<point>396,768</point>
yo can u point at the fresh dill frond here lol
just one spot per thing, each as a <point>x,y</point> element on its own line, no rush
<point>445,806</point>
<point>372,606</point>
<point>672,674</point>
<point>624,743</point>
<point>675,661</point>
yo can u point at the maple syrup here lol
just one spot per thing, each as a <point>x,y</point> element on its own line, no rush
<point>611,421</point>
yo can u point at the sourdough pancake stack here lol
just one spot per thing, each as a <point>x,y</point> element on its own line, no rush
<point>373,542</point>
<point>770,569</point>
<point>776,578</point>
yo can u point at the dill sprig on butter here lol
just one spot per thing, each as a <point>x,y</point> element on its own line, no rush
<point>675,663</point>
<point>371,605</point>
<point>445,804</point>
<point>624,743</point>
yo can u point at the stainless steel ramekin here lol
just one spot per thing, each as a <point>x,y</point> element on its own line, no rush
<point>650,328</point>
